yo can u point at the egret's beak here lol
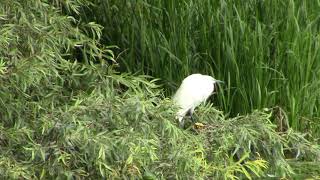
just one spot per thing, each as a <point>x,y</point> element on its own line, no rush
<point>218,81</point>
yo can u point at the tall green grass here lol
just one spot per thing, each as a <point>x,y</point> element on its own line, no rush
<point>266,51</point>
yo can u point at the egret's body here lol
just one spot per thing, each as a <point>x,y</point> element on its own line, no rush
<point>194,90</point>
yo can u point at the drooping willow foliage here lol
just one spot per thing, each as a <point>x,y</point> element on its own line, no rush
<point>65,112</point>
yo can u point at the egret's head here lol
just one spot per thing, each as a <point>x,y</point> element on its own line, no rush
<point>213,79</point>
<point>215,82</point>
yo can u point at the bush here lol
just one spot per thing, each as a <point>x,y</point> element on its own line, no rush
<point>64,119</point>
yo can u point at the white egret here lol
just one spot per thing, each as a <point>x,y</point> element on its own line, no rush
<point>194,90</point>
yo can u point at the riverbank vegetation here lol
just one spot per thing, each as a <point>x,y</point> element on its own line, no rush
<point>86,86</point>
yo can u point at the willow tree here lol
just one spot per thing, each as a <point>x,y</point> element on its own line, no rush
<point>65,113</point>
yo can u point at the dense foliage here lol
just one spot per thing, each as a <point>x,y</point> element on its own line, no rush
<point>66,113</point>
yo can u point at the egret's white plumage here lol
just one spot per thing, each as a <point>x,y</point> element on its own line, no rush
<point>193,90</point>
